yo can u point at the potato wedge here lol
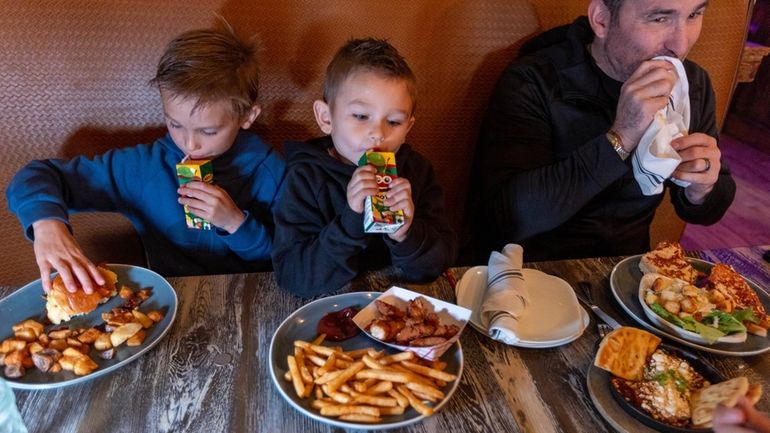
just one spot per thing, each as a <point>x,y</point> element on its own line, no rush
<point>143,319</point>
<point>85,365</point>
<point>103,342</point>
<point>89,335</point>
<point>123,333</point>
<point>136,339</point>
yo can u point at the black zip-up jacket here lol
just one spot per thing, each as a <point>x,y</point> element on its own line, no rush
<point>320,244</point>
<point>548,177</point>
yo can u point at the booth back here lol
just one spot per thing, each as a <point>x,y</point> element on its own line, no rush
<point>74,80</point>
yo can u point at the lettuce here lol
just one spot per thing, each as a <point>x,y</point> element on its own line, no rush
<point>725,322</point>
<point>709,333</point>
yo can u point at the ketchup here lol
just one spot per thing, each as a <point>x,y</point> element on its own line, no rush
<point>339,325</point>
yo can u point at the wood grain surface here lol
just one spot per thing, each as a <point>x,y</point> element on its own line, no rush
<point>211,372</point>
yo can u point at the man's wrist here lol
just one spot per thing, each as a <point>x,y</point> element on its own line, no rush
<point>617,144</point>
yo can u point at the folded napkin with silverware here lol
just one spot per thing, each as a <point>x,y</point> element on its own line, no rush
<point>654,159</point>
<point>506,298</point>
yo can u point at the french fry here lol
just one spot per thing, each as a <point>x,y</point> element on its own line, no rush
<point>345,375</point>
<point>359,417</point>
<point>318,340</point>
<point>287,376</point>
<point>321,402</point>
<point>345,409</point>
<point>396,357</point>
<point>373,363</point>
<point>398,410</point>
<point>380,388</point>
<point>296,379</point>
<point>328,365</point>
<point>358,353</point>
<point>414,401</point>
<point>336,396</point>
<point>393,376</point>
<point>376,401</point>
<point>430,372</point>
<point>299,355</point>
<point>402,401</point>
<point>328,377</point>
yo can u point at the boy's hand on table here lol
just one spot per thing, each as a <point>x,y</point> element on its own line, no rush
<point>213,204</point>
<point>362,184</point>
<point>400,198</point>
<point>55,248</point>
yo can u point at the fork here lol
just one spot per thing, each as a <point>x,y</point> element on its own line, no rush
<point>603,329</point>
<point>586,298</point>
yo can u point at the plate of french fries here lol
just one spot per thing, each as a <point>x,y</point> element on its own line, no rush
<point>87,346</point>
<point>358,383</point>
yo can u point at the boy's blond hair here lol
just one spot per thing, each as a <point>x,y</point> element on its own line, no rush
<point>211,65</point>
<point>371,55</point>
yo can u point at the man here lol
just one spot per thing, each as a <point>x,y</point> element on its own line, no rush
<point>553,166</point>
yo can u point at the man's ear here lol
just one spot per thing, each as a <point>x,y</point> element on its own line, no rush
<point>251,116</point>
<point>599,17</point>
<point>323,116</point>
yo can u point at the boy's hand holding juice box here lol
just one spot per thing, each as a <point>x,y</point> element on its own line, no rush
<point>191,170</point>
<point>378,218</point>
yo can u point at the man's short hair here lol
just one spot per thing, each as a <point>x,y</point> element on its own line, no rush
<point>372,55</point>
<point>614,8</point>
<point>211,65</point>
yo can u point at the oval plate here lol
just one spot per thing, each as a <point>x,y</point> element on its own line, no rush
<point>301,325</point>
<point>28,303</point>
<point>624,283</point>
<point>707,370</point>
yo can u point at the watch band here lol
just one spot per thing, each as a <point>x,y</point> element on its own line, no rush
<point>617,144</point>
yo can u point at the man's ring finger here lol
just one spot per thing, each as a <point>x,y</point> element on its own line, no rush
<point>708,165</point>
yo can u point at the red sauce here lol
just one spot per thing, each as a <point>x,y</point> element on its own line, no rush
<point>339,325</point>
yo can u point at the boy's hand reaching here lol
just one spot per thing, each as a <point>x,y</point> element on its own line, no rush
<point>55,248</point>
<point>362,184</point>
<point>400,198</point>
<point>213,204</point>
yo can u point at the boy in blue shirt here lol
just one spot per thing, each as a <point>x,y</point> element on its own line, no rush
<point>208,82</point>
<point>320,243</point>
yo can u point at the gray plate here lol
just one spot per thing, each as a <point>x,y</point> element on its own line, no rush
<point>301,325</point>
<point>624,282</point>
<point>599,389</point>
<point>28,303</point>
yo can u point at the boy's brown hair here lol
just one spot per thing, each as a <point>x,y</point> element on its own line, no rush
<point>371,55</point>
<point>211,65</point>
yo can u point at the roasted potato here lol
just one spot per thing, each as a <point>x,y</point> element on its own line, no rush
<point>123,333</point>
<point>136,339</point>
<point>89,335</point>
<point>103,342</point>
<point>143,319</point>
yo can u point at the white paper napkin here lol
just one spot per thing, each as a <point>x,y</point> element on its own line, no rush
<point>654,158</point>
<point>506,298</point>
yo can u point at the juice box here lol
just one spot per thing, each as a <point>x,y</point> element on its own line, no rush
<point>378,218</point>
<point>187,171</point>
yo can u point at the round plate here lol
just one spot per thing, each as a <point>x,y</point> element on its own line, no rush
<point>301,325</point>
<point>707,370</point>
<point>28,303</point>
<point>554,317</point>
<point>624,283</point>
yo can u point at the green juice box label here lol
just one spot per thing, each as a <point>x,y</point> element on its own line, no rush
<point>378,218</point>
<point>187,171</point>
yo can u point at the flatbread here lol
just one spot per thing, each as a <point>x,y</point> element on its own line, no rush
<point>726,393</point>
<point>754,393</point>
<point>624,352</point>
<point>668,259</point>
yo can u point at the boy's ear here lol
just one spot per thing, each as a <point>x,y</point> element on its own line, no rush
<point>323,116</point>
<point>251,116</point>
<point>599,17</point>
<point>411,123</point>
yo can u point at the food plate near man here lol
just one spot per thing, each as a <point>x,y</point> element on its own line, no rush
<point>625,279</point>
<point>300,326</point>
<point>28,303</point>
<point>553,318</point>
<point>658,385</point>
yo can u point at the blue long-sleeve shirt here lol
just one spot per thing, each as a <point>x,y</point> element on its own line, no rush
<point>140,182</point>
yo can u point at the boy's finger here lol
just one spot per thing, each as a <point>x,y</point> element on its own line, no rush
<point>85,280</point>
<point>45,277</point>
<point>95,274</point>
<point>67,278</point>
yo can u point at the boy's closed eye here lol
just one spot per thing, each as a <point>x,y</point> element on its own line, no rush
<point>360,116</point>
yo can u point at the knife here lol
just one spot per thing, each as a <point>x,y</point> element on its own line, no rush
<point>599,313</point>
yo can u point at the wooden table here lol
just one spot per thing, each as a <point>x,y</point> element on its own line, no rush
<point>210,373</point>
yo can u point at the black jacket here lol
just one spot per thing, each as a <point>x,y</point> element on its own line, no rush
<point>548,177</point>
<point>320,244</point>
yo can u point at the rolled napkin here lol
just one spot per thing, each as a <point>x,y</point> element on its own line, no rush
<point>506,298</point>
<point>654,158</point>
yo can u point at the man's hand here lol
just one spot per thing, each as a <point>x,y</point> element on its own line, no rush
<point>644,93</point>
<point>700,165</point>
<point>55,248</point>
<point>362,184</point>
<point>400,198</point>
<point>213,204</point>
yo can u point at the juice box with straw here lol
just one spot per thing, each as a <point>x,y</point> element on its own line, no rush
<point>187,171</point>
<point>378,218</point>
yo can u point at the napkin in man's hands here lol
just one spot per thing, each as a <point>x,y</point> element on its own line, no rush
<point>654,159</point>
<point>506,298</point>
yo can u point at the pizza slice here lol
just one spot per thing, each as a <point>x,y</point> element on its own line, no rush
<point>730,292</point>
<point>668,259</point>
